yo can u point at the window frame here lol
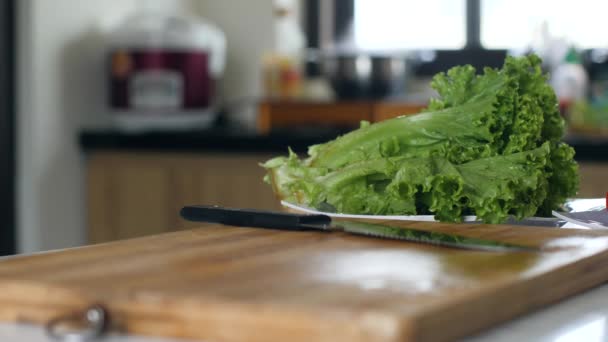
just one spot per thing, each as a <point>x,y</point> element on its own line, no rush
<point>7,128</point>
<point>317,24</point>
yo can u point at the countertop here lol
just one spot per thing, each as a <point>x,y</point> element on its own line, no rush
<point>580,318</point>
<point>220,139</point>
<point>234,140</point>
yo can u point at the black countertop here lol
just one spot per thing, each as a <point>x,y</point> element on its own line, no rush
<point>232,140</point>
<point>222,139</point>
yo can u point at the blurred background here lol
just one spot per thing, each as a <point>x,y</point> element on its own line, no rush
<point>115,113</point>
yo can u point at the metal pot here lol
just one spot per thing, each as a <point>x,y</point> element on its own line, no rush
<point>365,76</point>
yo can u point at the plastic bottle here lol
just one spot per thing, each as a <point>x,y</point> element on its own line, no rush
<point>282,67</point>
<point>570,81</point>
<point>163,66</point>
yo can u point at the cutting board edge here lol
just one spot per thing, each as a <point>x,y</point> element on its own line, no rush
<point>582,280</point>
<point>150,320</point>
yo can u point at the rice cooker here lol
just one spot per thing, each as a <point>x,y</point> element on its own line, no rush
<point>163,71</point>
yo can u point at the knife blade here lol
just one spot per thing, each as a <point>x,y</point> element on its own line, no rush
<point>299,222</point>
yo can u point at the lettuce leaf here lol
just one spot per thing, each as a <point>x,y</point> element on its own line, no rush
<point>491,188</point>
<point>489,145</point>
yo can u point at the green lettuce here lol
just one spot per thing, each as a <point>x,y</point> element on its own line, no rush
<point>489,145</point>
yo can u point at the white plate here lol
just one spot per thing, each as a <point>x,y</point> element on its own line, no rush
<point>429,218</point>
<point>573,205</point>
<point>593,219</point>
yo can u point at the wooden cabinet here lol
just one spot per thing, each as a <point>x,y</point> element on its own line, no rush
<point>594,179</point>
<point>285,114</point>
<point>136,194</point>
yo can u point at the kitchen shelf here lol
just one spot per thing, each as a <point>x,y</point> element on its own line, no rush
<point>284,114</point>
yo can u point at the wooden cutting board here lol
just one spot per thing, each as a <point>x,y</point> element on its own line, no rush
<point>237,284</point>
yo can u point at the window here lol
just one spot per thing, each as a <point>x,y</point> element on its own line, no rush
<point>409,24</point>
<point>507,24</point>
<point>449,28</point>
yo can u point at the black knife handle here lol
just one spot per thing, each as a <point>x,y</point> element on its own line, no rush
<point>253,218</point>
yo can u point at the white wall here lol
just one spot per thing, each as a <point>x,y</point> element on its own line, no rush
<point>248,27</point>
<point>61,89</point>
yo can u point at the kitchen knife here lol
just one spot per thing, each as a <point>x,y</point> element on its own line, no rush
<point>299,222</point>
<point>586,212</point>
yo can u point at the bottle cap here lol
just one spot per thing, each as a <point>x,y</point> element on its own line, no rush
<point>572,56</point>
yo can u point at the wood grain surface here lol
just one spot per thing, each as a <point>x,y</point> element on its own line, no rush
<point>222,283</point>
<point>133,194</point>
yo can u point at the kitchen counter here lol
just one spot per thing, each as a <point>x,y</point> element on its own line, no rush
<point>225,139</point>
<point>580,318</point>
